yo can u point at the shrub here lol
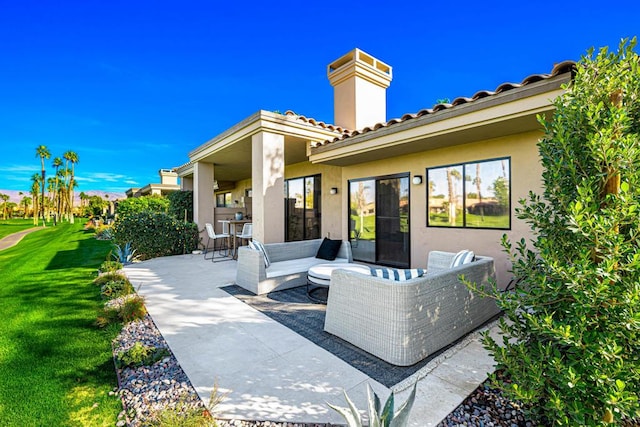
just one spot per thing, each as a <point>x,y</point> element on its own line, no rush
<point>181,202</point>
<point>188,412</point>
<point>110,266</point>
<point>111,276</point>
<point>103,232</point>
<point>116,288</point>
<point>135,205</point>
<point>140,355</point>
<point>571,343</point>
<point>156,234</point>
<point>122,309</point>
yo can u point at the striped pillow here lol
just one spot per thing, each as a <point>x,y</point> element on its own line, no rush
<point>463,257</point>
<point>258,246</point>
<point>399,275</point>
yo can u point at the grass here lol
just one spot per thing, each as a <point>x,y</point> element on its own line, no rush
<point>473,221</point>
<point>55,364</point>
<point>11,226</point>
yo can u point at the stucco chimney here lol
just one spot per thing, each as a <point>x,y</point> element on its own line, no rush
<point>360,83</point>
<point>168,176</point>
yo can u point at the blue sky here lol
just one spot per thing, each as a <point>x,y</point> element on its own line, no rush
<point>133,86</point>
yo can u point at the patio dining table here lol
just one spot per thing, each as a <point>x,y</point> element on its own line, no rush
<point>235,225</point>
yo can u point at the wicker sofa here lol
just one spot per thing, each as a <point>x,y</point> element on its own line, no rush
<point>290,262</point>
<point>404,322</point>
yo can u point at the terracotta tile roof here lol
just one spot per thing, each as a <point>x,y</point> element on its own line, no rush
<point>561,68</point>
<point>320,124</point>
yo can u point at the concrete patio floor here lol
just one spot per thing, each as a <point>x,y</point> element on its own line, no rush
<point>267,371</point>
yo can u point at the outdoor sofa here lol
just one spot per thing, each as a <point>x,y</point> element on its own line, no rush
<point>404,322</point>
<point>289,263</point>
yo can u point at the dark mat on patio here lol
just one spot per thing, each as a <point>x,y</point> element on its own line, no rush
<point>293,309</point>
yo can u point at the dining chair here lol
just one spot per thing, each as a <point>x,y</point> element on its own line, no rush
<point>212,235</point>
<point>245,234</point>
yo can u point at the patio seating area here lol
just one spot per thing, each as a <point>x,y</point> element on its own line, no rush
<point>269,371</point>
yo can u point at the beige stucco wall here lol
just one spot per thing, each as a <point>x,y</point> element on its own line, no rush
<point>525,176</point>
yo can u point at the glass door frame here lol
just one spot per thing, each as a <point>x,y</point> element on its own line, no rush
<point>317,203</point>
<point>376,179</point>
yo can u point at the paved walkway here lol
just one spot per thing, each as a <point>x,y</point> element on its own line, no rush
<point>13,239</point>
<point>267,371</point>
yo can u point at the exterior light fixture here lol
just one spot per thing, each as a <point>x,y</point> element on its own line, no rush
<point>334,190</point>
<point>417,179</point>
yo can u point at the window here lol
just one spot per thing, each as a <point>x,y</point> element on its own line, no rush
<point>302,208</point>
<point>470,195</point>
<point>223,200</point>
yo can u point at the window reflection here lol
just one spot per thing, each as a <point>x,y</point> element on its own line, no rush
<point>474,195</point>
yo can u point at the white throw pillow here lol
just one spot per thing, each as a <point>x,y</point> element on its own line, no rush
<point>258,246</point>
<point>463,257</point>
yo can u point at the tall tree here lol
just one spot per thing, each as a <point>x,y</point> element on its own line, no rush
<point>71,157</point>
<point>43,152</point>
<point>35,190</point>
<point>57,162</point>
<point>5,199</point>
<point>25,201</point>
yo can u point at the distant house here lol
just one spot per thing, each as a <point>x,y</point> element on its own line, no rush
<point>168,183</point>
<point>444,178</point>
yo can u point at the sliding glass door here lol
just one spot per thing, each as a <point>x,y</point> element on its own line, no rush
<point>379,220</point>
<point>302,208</point>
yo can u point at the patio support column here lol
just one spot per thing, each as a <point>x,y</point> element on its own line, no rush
<point>186,183</point>
<point>203,200</point>
<point>267,170</point>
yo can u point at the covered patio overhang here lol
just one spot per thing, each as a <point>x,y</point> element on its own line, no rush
<point>256,149</point>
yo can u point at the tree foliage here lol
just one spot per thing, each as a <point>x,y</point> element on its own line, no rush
<point>154,234</point>
<point>181,202</point>
<point>133,205</point>
<point>571,344</point>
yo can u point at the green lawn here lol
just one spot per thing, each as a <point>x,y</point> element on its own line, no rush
<point>55,365</point>
<point>11,226</point>
<point>442,220</point>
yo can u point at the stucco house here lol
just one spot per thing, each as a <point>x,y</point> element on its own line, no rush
<point>444,178</point>
<point>168,183</point>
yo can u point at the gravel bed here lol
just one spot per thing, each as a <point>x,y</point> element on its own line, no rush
<point>486,407</point>
<point>148,389</point>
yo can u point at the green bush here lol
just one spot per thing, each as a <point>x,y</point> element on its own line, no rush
<point>181,202</point>
<point>123,309</point>
<point>571,345</point>
<point>140,355</point>
<point>112,276</point>
<point>110,266</point>
<point>134,205</point>
<point>156,234</point>
<point>116,288</point>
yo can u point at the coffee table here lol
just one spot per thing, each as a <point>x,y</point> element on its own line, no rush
<point>319,276</point>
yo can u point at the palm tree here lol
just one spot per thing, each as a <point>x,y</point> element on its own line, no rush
<point>57,162</point>
<point>84,197</point>
<point>26,201</point>
<point>452,174</point>
<point>35,190</point>
<point>5,199</point>
<point>43,152</point>
<point>73,158</point>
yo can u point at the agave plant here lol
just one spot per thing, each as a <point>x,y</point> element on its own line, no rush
<point>378,417</point>
<point>124,254</point>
